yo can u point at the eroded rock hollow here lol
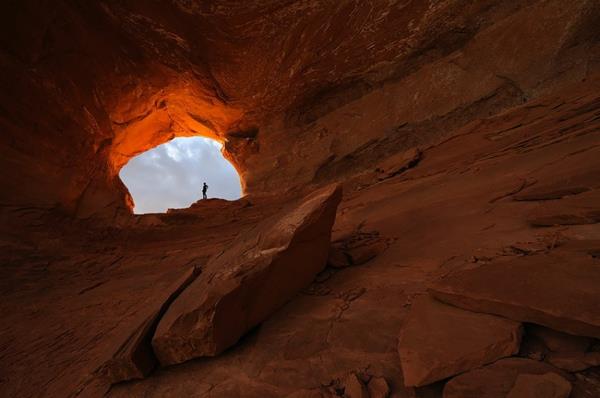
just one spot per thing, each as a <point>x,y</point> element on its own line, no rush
<point>421,209</point>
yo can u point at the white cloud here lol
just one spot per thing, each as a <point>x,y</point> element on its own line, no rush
<point>172,151</point>
<point>171,175</point>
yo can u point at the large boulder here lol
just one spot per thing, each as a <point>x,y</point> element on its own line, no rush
<point>438,341</point>
<point>239,288</point>
<point>559,291</point>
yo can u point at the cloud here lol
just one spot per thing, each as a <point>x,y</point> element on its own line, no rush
<point>171,175</point>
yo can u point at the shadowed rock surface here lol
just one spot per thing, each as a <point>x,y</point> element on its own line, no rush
<point>240,287</point>
<point>548,385</point>
<point>547,290</point>
<point>573,210</point>
<point>465,135</point>
<point>135,358</point>
<point>559,342</point>
<point>574,361</point>
<point>496,380</point>
<point>438,341</point>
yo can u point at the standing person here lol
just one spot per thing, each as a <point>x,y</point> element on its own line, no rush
<point>204,189</point>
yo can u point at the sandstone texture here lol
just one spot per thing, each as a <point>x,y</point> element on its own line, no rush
<point>573,361</point>
<point>134,358</point>
<point>465,138</point>
<point>356,249</point>
<point>354,387</point>
<point>230,69</point>
<point>546,291</point>
<point>548,385</point>
<point>378,388</point>
<point>239,288</point>
<point>498,379</point>
<point>573,210</point>
<point>438,341</point>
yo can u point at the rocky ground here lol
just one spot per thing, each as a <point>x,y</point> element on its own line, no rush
<point>463,268</point>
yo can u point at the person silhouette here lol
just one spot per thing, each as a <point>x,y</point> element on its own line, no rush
<point>204,189</point>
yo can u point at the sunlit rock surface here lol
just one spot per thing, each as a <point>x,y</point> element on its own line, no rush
<point>465,135</point>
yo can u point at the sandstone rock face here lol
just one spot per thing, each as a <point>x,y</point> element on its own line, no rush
<point>495,380</point>
<point>307,394</point>
<point>134,358</point>
<point>548,385</point>
<point>180,71</point>
<point>583,208</point>
<point>545,292</point>
<point>573,361</point>
<point>565,186</point>
<point>84,282</point>
<point>240,287</point>
<point>337,258</point>
<point>378,388</point>
<point>354,387</point>
<point>453,126</point>
<point>395,165</point>
<point>438,341</point>
<point>356,249</point>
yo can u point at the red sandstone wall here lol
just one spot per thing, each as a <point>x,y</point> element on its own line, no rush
<point>300,91</point>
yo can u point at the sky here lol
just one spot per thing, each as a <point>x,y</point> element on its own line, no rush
<point>171,175</point>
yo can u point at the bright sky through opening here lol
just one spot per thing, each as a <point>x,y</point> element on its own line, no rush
<point>171,175</point>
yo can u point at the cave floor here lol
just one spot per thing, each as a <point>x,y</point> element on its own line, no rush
<point>79,292</point>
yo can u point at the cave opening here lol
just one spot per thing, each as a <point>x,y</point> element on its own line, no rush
<point>171,175</point>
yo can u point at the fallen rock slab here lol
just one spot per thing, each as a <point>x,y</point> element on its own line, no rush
<point>134,358</point>
<point>438,341</point>
<point>239,288</point>
<point>559,291</point>
<point>548,385</point>
<point>495,380</point>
